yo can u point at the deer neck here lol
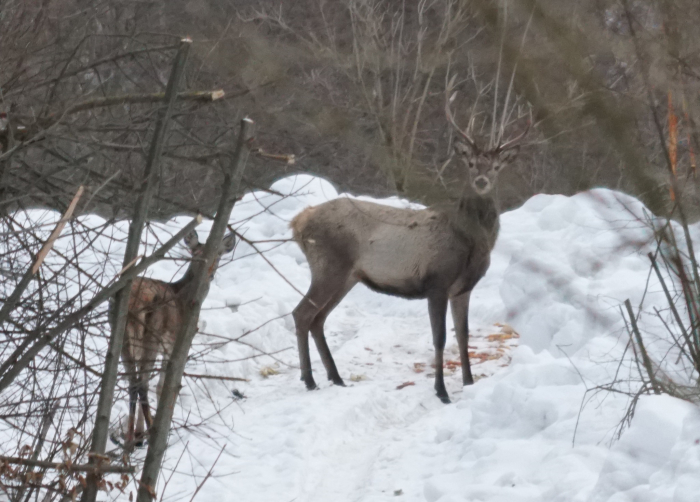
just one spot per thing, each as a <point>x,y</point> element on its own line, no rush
<point>185,285</point>
<point>477,215</point>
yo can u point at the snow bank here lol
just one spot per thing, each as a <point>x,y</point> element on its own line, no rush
<point>560,270</point>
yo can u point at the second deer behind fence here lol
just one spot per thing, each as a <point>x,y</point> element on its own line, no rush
<point>156,310</point>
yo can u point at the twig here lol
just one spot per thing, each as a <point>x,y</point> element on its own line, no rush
<point>287,158</point>
<point>199,486</point>
<point>262,255</point>
<point>214,377</point>
<point>645,357</point>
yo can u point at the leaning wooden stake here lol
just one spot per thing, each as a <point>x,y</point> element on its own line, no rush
<point>160,429</point>
<point>109,379</point>
<point>14,297</point>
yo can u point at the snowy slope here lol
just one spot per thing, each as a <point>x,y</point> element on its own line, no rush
<point>560,270</point>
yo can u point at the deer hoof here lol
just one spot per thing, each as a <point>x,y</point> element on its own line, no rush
<point>114,437</point>
<point>310,385</point>
<point>140,439</point>
<point>339,382</point>
<point>445,399</point>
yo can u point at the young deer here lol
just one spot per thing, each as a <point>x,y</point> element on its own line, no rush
<point>156,309</point>
<point>439,254</point>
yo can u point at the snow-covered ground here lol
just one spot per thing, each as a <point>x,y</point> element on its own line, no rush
<point>560,270</point>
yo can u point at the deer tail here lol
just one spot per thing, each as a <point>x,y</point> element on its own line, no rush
<point>299,224</point>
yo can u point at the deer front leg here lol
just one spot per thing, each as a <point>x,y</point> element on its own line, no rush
<point>460,316</point>
<point>437,309</point>
<point>131,423</point>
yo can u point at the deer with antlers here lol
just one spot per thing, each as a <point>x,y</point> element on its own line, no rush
<point>156,310</point>
<point>436,253</point>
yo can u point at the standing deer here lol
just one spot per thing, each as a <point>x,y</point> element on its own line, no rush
<point>156,310</point>
<point>434,253</point>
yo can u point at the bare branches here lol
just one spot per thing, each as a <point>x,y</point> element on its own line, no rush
<point>642,350</point>
<point>11,301</point>
<point>36,341</point>
<point>69,467</point>
<point>27,134</point>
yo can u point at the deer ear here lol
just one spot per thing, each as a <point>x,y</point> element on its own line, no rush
<point>191,240</point>
<point>228,243</point>
<point>462,148</point>
<point>508,156</point>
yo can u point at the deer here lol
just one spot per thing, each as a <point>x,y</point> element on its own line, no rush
<point>437,253</point>
<point>155,314</point>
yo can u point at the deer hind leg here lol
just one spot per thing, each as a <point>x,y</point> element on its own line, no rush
<point>133,400</point>
<point>460,316</point>
<point>147,364</point>
<point>129,361</point>
<point>163,365</point>
<point>320,338</point>
<point>324,287</point>
<point>437,309</point>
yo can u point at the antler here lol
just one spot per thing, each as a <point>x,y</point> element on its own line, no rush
<point>450,117</point>
<point>512,143</point>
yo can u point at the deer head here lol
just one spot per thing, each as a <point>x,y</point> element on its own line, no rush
<point>483,165</point>
<point>196,248</point>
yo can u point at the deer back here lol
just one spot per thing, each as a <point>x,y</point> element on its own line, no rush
<point>404,252</point>
<point>155,315</point>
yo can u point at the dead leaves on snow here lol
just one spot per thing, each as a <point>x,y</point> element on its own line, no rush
<point>495,347</point>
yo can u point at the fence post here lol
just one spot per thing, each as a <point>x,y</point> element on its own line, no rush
<point>160,429</point>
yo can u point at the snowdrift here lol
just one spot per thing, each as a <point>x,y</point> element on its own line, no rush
<point>546,326</point>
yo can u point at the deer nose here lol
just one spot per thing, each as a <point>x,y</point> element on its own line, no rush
<point>481,183</point>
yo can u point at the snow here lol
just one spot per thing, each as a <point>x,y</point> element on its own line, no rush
<point>527,430</point>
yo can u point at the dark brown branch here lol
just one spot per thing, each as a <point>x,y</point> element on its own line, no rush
<point>645,357</point>
<point>214,377</point>
<point>132,99</point>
